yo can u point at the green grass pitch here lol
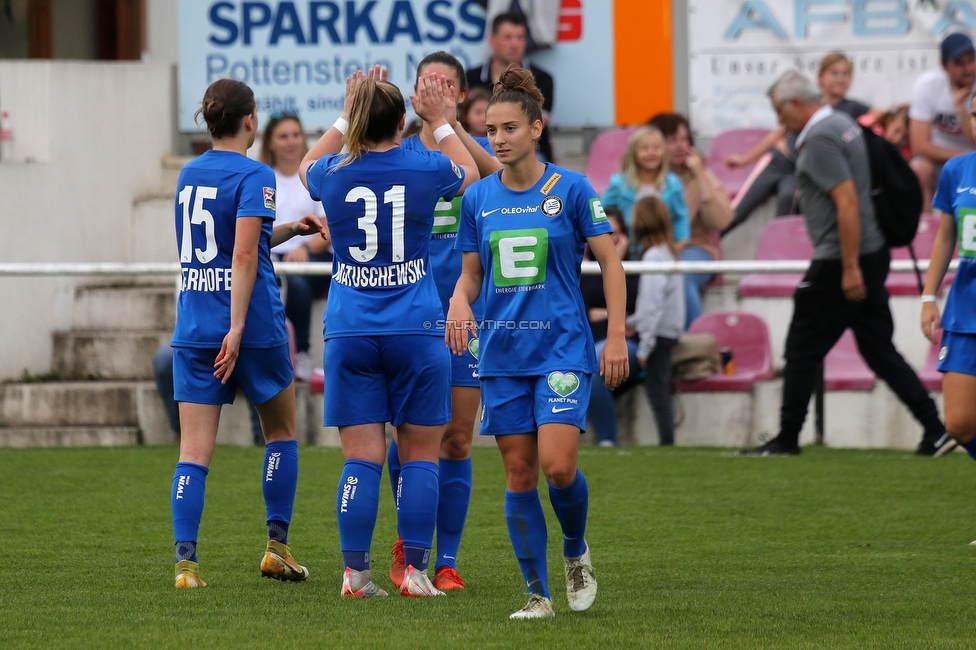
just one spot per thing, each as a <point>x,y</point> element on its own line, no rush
<point>693,548</point>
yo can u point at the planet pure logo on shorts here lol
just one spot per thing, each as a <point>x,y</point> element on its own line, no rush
<point>596,211</point>
<point>269,198</point>
<point>943,352</point>
<point>551,206</point>
<point>473,346</point>
<point>563,384</point>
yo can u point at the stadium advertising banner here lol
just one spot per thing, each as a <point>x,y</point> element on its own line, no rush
<point>297,55</point>
<point>737,48</point>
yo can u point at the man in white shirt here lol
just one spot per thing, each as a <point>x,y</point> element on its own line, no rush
<point>939,127</point>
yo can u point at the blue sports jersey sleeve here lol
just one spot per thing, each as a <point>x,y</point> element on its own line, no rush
<point>467,237</point>
<point>257,198</point>
<point>449,177</point>
<point>591,220</point>
<point>942,201</point>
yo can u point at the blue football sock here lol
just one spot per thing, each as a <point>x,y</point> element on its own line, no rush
<point>570,505</point>
<point>417,511</point>
<point>527,530</point>
<point>186,551</point>
<point>970,448</point>
<point>393,465</point>
<point>279,482</point>
<point>454,479</point>
<point>189,485</point>
<point>357,502</point>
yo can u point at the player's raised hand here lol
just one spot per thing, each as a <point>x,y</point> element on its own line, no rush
<point>352,83</point>
<point>378,73</point>
<point>429,101</point>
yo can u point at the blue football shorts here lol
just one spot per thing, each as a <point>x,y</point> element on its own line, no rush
<point>261,373</point>
<point>397,379</point>
<point>464,368</point>
<point>522,404</point>
<point>958,353</point>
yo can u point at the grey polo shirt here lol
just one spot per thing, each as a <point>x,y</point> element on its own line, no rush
<point>831,151</point>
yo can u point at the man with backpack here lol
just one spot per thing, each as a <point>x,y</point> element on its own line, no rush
<point>844,285</point>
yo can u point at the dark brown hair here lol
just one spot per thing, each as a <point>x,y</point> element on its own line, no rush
<point>509,18</point>
<point>669,123</point>
<point>651,223</point>
<point>225,105</point>
<point>517,86</point>
<point>267,156</point>
<point>479,94</point>
<point>444,58</point>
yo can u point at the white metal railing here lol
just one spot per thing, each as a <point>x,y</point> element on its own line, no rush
<point>732,267</point>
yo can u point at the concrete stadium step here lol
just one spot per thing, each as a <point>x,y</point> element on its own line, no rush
<point>68,436</point>
<point>129,305</point>
<point>69,404</point>
<point>107,353</point>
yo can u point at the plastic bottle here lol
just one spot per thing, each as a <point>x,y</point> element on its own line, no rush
<point>6,137</point>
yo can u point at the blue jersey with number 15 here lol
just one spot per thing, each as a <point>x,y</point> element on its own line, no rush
<point>213,191</point>
<point>380,210</point>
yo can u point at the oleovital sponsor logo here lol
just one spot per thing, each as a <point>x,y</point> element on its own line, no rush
<point>528,209</point>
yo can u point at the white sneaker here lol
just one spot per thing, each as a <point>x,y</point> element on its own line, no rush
<point>416,584</point>
<point>580,581</point>
<point>537,607</point>
<point>303,366</point>
<point>366,588</point>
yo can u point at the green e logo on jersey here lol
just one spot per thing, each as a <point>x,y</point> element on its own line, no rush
<point>447,215</point>
<point>596,210</point>
<point>519,256</point>
<point>967,232</point>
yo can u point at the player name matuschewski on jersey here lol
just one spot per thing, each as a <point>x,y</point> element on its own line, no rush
<point>394,275</point>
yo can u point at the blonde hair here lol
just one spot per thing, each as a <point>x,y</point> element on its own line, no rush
<point>832,58</point>
<point>374,117</point>
<point>628,162</point>
<point>651,223</point>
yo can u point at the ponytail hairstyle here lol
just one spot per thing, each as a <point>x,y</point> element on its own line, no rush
<point>225,105</point>
<point>651,223</point>
<point>517,86</point>
<point>277,119</point>
<point>377,107</point>
<point>444,58</point>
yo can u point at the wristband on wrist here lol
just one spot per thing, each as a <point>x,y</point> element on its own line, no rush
<point>341,125</point>
<point>927,298</point>
<point>442,132</point>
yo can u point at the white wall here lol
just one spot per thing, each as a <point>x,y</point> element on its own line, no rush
<point>161,33</point>
<point>97,133</point>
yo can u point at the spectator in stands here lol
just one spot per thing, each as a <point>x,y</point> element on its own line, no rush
<point>709,209</point>
<point>844,286</point>
<point>939,127</point>
<point>473,111</point>
<point>508,46</point>
<point>659,315</point>
<point>834,77</point>
<point>645,169</point>
<point>892,126</point>
<point>282,149</point>
<point>601,412</point>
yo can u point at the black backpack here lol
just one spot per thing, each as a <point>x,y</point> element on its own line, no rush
<point>895,193</point>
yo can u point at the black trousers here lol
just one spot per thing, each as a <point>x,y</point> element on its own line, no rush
<point>657,385</point>
<point>821,314</point>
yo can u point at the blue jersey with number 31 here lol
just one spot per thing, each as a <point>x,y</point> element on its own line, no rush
<point>214,191</point>
<point>956,196</point>
<point>380,211</point>
<point>531,246</point>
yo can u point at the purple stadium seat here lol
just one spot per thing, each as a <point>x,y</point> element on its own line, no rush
<point>844,369</point>
<point>784,238</point>
<point>748,338</point>
<point>906,284</point>
<point>729,142</point>
<point>929,374</point>
<point>603,161</point>
<point>317,382</point>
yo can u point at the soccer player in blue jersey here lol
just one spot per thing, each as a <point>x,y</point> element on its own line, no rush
<point>955,200</point>
<point>230,325</point>
<point>522,232</point>
<point>383,358</point>
<point>454,459</point>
